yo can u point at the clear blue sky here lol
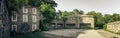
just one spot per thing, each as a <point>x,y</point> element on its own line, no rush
<point>103,6</point>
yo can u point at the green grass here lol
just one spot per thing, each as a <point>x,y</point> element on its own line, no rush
<point>35,34</point>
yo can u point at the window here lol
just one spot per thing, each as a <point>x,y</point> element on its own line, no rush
<point>34,27</point>
<point>25,10</point>
<point>25,18</point>
<point>14,27</point>
<point>34,11</point>
<point>14,18</point>
<point>0,22</point>
<point>34,18</point>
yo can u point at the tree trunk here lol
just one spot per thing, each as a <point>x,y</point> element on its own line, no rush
<point>4,20</point>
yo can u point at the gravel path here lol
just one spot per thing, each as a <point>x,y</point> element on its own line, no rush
<point>64,33</point>
<point>72,33</point>
<point>90,34</point>
<point>107,34</point>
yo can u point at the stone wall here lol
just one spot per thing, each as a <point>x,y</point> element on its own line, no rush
<point>4,20</point>
<point>114,27</point>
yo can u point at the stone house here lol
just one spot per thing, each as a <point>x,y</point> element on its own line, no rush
<point>114,27</point>
<point>75,21</point>
<point>4,20</point>
<point>26,20</point>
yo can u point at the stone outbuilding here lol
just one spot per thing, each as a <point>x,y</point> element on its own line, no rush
<point>75,21</point>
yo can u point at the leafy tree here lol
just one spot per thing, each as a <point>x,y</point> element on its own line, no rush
<point>76,11</point>
<point>81,12</point>
<point>98,18</point>
<point>65,13</point>
<point>35,3</point>
<point>108,18</point>
<point>64,21</point>
<point>47,8</point>
<point>48,12</point>
<point>116,17</point>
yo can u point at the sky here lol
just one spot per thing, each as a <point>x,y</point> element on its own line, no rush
<point>103,6</point>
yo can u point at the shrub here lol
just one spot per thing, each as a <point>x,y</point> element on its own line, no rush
<point>105,27</point>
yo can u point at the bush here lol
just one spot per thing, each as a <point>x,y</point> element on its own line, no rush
<point>91,28</point>
<point>43,28</point>
<point>105,27</point>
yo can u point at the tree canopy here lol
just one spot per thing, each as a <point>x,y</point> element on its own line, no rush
<point>98,18</point>
<point>101,20</point>
<point>76,11</point>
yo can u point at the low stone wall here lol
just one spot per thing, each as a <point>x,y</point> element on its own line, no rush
<point>114,27</point>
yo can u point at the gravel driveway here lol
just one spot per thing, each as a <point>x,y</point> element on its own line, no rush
<point>72,33</point>
<point>63,33</point>
<point>90,34</point>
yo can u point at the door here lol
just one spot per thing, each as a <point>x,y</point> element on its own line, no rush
<point>84,26</point>
<point>70,26</point>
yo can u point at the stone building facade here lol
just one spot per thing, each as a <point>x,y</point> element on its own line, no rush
<point>4,20</point>
<point>26,20</point>
<point>75,21</point>
<point>114,27</point>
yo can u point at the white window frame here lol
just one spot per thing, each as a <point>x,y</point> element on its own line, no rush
<point>34,11</point>
<point>25,10</point>
<point>25,18</point>
<point>0,22</point>
<point>34,27</point>
<point>14,26</point>
<point>34,18</point>
<point>15,18</point>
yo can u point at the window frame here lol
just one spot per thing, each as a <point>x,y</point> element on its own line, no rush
<point>34,27</point>
<point>14,17</point>
<point>25,18</point>
<point>34,18</point>
<point>25,10</point>
<point>14,26</point>
<point>34,11</point>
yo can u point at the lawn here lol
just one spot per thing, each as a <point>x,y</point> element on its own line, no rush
<point>36,34</point>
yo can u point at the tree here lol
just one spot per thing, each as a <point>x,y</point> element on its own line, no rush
<point>64,21</point>
<point>81,12</point>
<point>60,12</point>
<point>116,17</point>
<point>98,18</point>
<point>34,3</point>
<point>48,11</point>
<point>76,11</point>
<point>108,18</point>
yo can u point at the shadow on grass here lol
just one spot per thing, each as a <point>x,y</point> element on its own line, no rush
<point>40,34</point>
<point>36,34</point>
